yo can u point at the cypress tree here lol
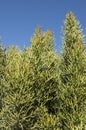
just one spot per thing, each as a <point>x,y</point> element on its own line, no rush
<point>44,60</point>
<point>73,76</point>
<point>45,79</point>
<point>17,104</point>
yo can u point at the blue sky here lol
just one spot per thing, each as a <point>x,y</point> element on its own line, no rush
<point>19,18</point>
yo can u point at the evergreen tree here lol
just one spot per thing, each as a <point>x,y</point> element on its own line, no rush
<point>17,109</point>
<point>44,61</point>
<point>73,76</point>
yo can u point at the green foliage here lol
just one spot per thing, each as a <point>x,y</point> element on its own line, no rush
<point>17,109</point>
<point>38,89</point>
<point>46,121</point>
<point>73,76</point>
<point>44,64</point>
<point>2,68</point>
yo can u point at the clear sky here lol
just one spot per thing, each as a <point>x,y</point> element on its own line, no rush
<point>19,18</point>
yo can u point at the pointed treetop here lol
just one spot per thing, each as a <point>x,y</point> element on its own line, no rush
<point>72,30</point>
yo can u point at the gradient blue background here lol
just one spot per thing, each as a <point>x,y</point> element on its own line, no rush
<point>19,18</point>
